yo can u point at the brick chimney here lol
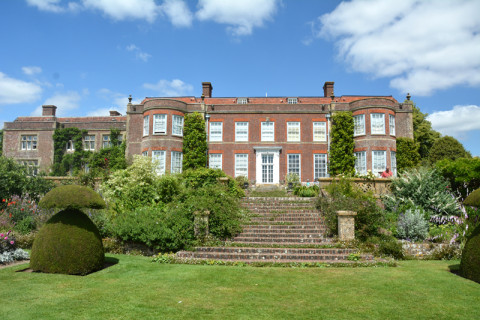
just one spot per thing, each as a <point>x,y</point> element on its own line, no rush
<point>207,89</point>
<point>114,113</point>
<point>49,110</point>
<point>328,89</point>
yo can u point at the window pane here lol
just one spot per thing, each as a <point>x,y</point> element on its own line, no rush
<point>241,131</point>
<point>145,125</point>
<point>392,125</point>
<point>216,131</point>
<point>361,162</point>
<point>379,162</point>
<point>393,165</point>
<point>176,166</point>
<point>293,131</point>
<point>294,165</point>
<point>215,161</point>
<point>378,123</point>
<point>177,128</point>
<point>319,131</point>
<point>359,125</point>
<point>292,100</point>
<point>268,131</point>
<point>106,141</point>
<point>159,157</point>
<point>320,166</point>
<point>160,124</point>
<point>241,165</point>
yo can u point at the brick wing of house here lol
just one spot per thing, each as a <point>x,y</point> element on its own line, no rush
<point>262,138</point>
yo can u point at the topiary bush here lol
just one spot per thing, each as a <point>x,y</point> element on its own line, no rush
<point>68,243</point>
<point>470,263</point>
<point>473,199</point>
<point>72,196</point>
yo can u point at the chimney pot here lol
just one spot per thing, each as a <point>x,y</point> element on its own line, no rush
<point>114,113</point>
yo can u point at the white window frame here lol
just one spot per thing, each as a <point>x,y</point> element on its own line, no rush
<point>320,159</point>
<point>391,122</point>
<point>215,161</point>
<point>393,162</point>
<point>358,125</point>
<point>177,125</point>
<point>361,162</point>
<point>146,125</point>
<point>70,147</point>
<point>293,131</point>
<point>320,131</point>
<point>241,131</point>
<point>294,164</point>
<point>242,100</point>
<point>292,100</point>
<point>379,162</point>
<point>89,142</point>
<point>145,153</point>
<point>241,164</point>
<point>176,162</point>
<point>106,143</point>
<point>159,124</point>
<point>160,157</point>
<point>267,131</point>
<point>216,131</point>
<point>377,123</point>
<point>28,142</point>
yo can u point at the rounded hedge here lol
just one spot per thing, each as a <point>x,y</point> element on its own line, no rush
<point>72,196</point>
<point>68,243</point>
<point>470,263</point>
<point>473,199</point>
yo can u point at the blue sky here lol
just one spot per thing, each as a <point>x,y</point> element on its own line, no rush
<point>87,56</point>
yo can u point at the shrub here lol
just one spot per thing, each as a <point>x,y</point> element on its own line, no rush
<point>407,154</point>
<point>463,174</point>
<point>201,177</point>
<point>72,196</point>
<point>470,263</point>
<point>68,243</point>
<point>304,191</point>
<point>342,160</point>
<point>194,142</point>
<point>447,148</point>
<point>343,195</point>
<point>424,188</point>
<point>155,227</point>
<point>412,225</point>
<point>473,199</point>
<point>392,248</point>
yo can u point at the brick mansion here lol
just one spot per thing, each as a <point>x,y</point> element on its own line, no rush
<point>262,138</point>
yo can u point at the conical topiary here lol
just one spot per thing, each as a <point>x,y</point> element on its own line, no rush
<point>69,242</point>
<point>470,263</point>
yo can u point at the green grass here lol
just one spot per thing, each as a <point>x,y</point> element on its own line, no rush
<point>136,288</point>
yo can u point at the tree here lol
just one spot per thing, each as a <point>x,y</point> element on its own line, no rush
<point>407,153</point>
<point>194,142</point>
<point>342,159</point>
<point>462,173</point>
<point>423,133</point>
<point>447,148</point>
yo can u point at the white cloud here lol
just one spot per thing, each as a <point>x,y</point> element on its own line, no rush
<point>125,9</point>
<point>241,16</point>
<point>65,103</point>
<point>178,13</point>
<point>117,101</point>
<point>17,91</point>
<point>422,45</point>
<point>31,70</point>
<point>139,54</point>
<point>174,88</point>
<point>456,122</point>
<point>47,5</point>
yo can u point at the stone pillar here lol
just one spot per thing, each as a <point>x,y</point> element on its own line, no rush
<point>346,225</point>
<point>200,226</point>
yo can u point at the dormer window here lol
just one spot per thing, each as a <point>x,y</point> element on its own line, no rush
<point>242,100</point>
<point>292,100</point>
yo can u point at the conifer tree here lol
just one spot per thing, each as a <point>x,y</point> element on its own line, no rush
<point>342,159</point>
<point>194,142</point>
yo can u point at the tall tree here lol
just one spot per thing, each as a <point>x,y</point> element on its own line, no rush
<point>447,148</point>
<point>407,153</point>
<point>342,159</point>
<point>194,142</point>
<point>423,133</point>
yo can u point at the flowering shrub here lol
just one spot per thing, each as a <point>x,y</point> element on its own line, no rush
<point>412,225</point>
<point>21,214</point>
<point>8,250</point>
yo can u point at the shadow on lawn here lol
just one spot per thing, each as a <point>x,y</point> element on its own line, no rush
<point>455,269</point>
<point>109,262</point>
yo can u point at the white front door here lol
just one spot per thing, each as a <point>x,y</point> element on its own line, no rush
<point>267,164</point>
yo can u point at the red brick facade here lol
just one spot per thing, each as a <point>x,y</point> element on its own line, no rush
<point>296,130</point>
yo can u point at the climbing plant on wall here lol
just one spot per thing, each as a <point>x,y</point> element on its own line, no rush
<point>110,158</point>
<point>194,142</point>
<point>408,155</point>
<point>342,159</point>
<point>64,162</point>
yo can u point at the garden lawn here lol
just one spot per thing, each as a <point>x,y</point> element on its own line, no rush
<point>136,288</point>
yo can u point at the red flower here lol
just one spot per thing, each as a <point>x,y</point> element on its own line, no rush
<point>10,215</point>
<point>3,200</point>
<point>21,209</point>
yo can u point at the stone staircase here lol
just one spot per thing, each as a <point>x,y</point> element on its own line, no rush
<point>281,230</point>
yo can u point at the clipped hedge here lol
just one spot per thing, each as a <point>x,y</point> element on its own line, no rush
<point>68,243</point>
<point>470,263</point>
<point>72,196</point>
<point>473,199</point>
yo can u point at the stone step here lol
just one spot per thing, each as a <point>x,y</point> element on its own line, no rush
<point>283,230</point>
<point>288,214</point>
<point>283,227</point>
<point>274,235</point>
<point>275,250</point>
<point>292,220</point>
<point>289,211</point>
<point>280,240</point>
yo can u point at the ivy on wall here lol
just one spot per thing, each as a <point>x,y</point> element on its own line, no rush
<point>194,142</point>
<point>408,155</point>
<point>342,159</point>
